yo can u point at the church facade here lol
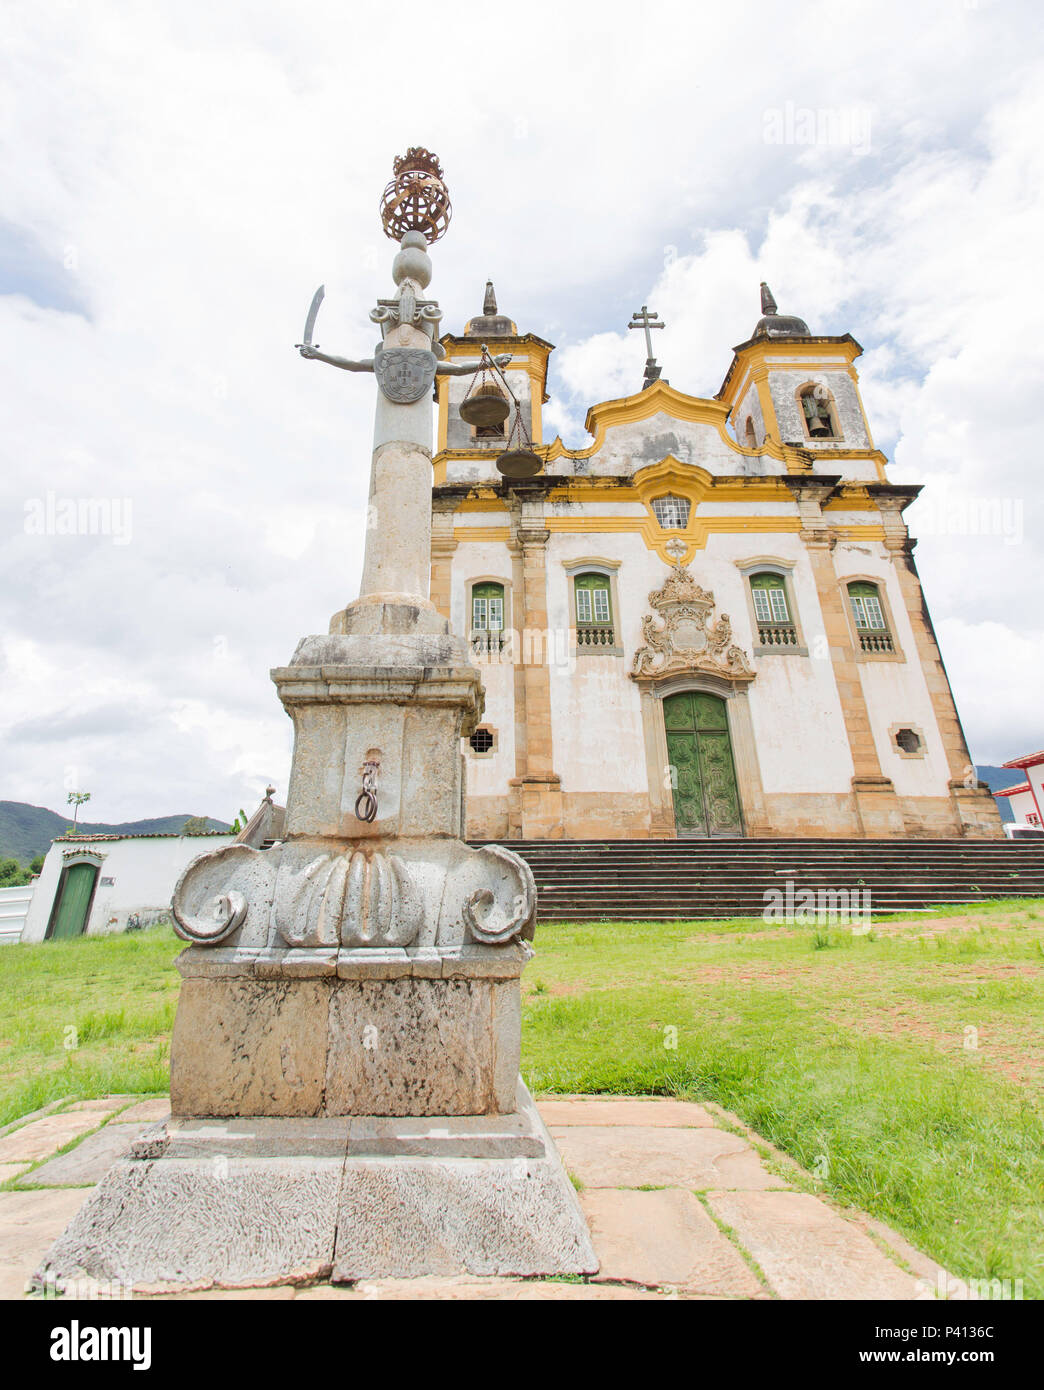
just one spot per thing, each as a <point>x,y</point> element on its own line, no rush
<point>708,621</point>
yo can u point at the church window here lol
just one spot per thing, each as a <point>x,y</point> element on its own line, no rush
<point>820,416</point>
<point>776,627</point>
<point>749,434</point>
<point>594,611</point>
<point>870,621</point>
<point>482,740</point>
<point>671,512</point>
<point>908,741</point>
<point>487,617</point>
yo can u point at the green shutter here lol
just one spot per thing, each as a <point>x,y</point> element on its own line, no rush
<point>866,606</point>
<point>487,608</point>
<point>770,598</point>
<point>593,604</point>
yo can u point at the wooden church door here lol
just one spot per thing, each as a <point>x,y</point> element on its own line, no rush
<point>699,751</point>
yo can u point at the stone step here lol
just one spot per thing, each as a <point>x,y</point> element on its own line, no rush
<point>653,879</point>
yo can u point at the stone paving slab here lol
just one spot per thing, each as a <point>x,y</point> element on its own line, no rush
<point>43,1137</point>
<point>643,1155</point>
<point>652,1244</point>
<point>104,1104</point>
<point>667,1114</point>
<point>806,1250</point>
<point>665,1238</point>
<point>151,1111</point>
<point>516,1290</point>
<point>87,1163</point>
<point>29,1222</point>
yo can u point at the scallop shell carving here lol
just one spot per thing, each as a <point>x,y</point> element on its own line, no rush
<point>352,900</point>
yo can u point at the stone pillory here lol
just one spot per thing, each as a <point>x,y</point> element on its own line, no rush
<point>348,1031</point>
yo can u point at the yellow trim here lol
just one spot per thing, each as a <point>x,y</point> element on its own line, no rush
<point>482,533</point>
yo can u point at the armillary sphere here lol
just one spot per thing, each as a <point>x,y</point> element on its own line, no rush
<point>417,199</point>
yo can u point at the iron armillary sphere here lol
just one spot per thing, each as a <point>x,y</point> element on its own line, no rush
<point>417,199</point>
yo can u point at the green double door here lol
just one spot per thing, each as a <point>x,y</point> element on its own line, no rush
<point>703,776</point>
<point>74,900</point>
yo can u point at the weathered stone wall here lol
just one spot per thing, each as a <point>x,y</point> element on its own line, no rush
<point>784,384</point>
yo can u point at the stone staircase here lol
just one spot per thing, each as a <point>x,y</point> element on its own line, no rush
<point>585,880</point>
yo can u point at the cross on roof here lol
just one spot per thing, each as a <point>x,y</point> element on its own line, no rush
<point>647,319</point>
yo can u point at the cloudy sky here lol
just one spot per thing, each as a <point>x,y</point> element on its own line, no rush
<point>178,178</point>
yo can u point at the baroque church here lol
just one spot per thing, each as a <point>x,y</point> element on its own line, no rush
<point>706,622</point>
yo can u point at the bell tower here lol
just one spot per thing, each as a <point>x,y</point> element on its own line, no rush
<point>801,391</point>
<point>526,376</point>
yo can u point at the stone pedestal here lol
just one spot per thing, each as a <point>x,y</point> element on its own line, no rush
<point>425,1031</point>
<point>256,1201</point>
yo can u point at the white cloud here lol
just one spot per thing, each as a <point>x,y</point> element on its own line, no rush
<point>188,175</point>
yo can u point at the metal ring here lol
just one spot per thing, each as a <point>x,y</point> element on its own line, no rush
<point>369,804</point>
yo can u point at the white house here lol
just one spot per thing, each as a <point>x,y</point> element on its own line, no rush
<point>1026,799</point>
<point>94,884</point>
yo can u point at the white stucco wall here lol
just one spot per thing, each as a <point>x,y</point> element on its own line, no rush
<point>144,870</point>
<point>489,774</point>
<point>750,406</point>
<point>896,692</point>
<point>596,724</point>
<point>1022,808</point>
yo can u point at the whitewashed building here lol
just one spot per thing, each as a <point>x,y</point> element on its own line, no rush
<point>93,884</point>
<point>1026,799</point>
<point>708,621</point>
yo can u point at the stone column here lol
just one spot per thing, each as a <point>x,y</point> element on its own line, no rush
<point>536,793</point>
<point>876,803</point>
<point>975,811</point>
<point>443,548</point>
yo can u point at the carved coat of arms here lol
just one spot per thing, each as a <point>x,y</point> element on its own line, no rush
<point>679,639</point>
<point>404,374</point>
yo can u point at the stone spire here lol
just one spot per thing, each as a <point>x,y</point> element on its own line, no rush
<point>490,323</point>
<point>773,324</point>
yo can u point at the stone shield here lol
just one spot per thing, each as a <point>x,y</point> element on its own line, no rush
<point>404,374</point>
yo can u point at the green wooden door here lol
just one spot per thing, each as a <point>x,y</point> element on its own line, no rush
<point>706,798</point>
<point>74,898</point>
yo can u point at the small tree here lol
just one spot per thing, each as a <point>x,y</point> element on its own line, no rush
<point>76,800</point>
<point>195,825</point>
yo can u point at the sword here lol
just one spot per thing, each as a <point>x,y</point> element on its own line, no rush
<point>313,310</point>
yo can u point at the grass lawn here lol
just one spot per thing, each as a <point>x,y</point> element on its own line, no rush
<point>905,1068</point>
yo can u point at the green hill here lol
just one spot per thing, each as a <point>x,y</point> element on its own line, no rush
<point>26,831</point>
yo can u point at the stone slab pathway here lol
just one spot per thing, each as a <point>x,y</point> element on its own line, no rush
<point>682,1200</point>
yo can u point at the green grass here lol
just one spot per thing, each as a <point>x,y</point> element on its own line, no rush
<point>848,1049</point>
<point>850,1053</point>
<point>87,1017</point>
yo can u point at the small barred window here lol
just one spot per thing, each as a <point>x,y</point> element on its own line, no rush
<point>481,740</point>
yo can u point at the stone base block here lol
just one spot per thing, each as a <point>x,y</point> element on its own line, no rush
<point>424,1032</point>
<point>261,1201</point>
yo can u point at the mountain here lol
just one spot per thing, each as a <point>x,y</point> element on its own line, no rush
<point>26,831</point>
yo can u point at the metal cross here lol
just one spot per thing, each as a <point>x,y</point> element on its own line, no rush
<point>646,320</point>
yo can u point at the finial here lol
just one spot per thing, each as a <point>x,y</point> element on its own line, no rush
<point>489,303</point>
<point>417,199</point>
<point>768,304</point>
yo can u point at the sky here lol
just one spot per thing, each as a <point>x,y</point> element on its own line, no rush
<point>182,498</point>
